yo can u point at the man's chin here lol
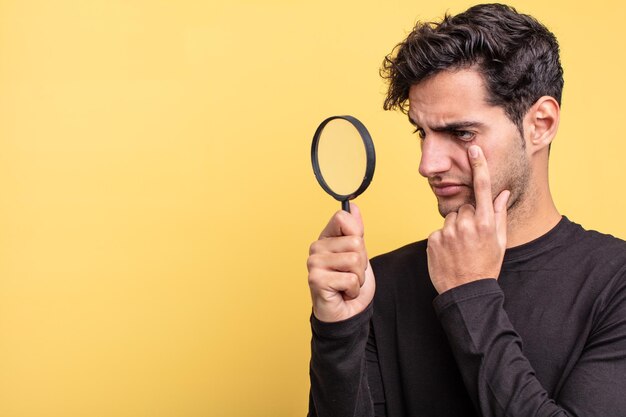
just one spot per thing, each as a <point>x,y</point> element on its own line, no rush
<point>447,207</point>
<point>445,210</point>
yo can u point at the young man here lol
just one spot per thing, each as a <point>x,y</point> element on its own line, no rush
<point>510,309</point>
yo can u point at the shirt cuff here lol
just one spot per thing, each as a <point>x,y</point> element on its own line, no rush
<point>466,292</point>
<point>343,328</point>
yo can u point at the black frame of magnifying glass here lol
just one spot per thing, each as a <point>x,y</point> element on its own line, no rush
<point>370,154</point>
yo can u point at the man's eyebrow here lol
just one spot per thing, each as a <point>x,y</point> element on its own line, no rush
<point>452,126</point>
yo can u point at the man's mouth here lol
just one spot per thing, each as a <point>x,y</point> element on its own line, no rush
<point>446,189</point>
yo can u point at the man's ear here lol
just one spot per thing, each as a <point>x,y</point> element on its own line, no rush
<point>541,123</point>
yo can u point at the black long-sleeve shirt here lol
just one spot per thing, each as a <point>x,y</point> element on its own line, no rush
<point>548,338</point>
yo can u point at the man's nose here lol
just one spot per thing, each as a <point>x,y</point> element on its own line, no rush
<point>435,156</point>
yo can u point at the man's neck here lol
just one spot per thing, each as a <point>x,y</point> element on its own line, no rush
<point>536,217</point>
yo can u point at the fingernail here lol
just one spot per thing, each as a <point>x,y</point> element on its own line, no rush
<point>473,151</point>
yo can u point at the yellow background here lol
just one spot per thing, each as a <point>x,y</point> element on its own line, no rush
<point>157,199</point>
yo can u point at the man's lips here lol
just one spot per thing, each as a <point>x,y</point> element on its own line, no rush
<point>447,189</point>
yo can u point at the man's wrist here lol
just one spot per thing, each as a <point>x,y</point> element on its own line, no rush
<point>464,292</point>
<point>343,328</point>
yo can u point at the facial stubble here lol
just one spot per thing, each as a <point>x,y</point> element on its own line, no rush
<point>513,175</point>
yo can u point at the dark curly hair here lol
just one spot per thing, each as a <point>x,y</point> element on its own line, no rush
<point>517,56</point>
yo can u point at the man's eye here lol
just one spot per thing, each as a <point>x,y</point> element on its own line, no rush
<point>464,135</point>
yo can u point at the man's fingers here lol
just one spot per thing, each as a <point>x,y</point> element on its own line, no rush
<point>501,201</point>
<point>356,213</point>
<point>354,262</point>
<point>337,282</point>
<point>344,224</point>
<point>338,245</point>
<point>466,211</point>
<point>449,220</point>
<point>482,181</point>
<point>347,283</point>
<point>500,212</point>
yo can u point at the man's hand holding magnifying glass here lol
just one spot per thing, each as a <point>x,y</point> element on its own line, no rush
<point>340,276</point>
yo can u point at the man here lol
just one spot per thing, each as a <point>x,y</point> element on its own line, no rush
<point>510,309</point>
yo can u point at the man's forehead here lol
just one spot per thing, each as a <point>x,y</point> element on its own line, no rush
<point>438,119</point>
<point>448,97</point>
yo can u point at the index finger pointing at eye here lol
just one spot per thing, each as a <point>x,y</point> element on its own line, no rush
<point>482,181</point>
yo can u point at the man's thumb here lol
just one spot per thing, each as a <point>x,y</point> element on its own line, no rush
<point>356,213</point>
<point>500,212</point>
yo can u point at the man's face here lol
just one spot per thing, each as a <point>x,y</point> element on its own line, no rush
<point>451,112</point>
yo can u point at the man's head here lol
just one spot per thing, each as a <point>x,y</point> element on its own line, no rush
<point>516,55</point>
<point>479,78</point>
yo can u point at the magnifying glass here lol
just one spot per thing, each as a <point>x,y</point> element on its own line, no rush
<point>343,158</point>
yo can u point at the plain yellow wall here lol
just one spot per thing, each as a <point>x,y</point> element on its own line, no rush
<point>157,199</point>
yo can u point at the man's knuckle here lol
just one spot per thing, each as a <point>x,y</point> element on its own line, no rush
<point>353,280</point>
<point>312,262</point>
<point>463,223</point>
<point>314,278</point>
<point>341,217</point>
<point>482,181</point>
<point>356,242</point>
<point>314,247</point>
<point>434,237</point>
<point>484,225</point>
<point>447,232</point>
<point>354,258</point>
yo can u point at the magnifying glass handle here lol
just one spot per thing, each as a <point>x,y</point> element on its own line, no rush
<point>345,205</point>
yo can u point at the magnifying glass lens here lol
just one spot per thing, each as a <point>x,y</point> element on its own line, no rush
<point>342,158</point>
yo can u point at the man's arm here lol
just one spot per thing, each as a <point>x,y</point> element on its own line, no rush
<point>338,369</point>
<point>499,378</point>
<point>342,289</point>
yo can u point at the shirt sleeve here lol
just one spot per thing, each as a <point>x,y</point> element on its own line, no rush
<point>374,376</point>
<point>500,379</point>
<point>338,368</point>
